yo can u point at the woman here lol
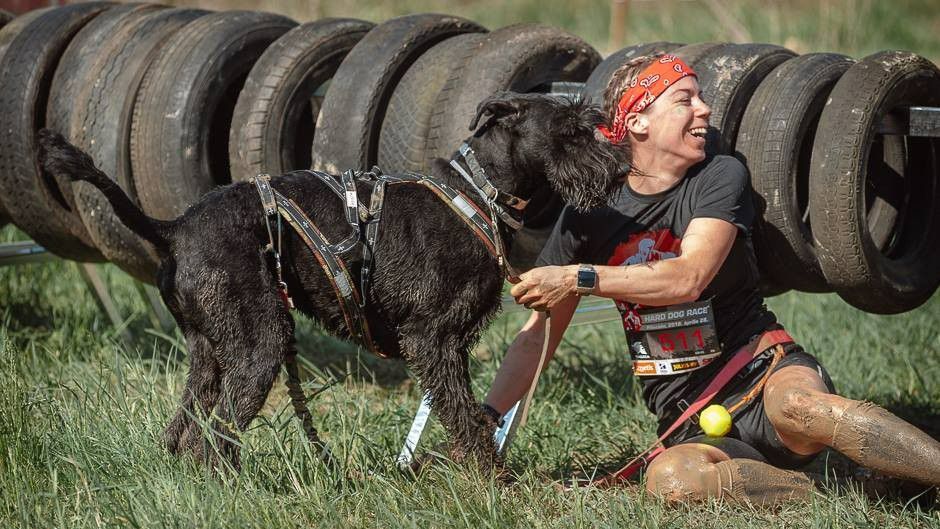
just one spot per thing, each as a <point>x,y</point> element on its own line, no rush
<point>678,236</point>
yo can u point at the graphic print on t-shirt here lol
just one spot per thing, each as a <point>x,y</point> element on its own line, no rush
<point>639,248</point>
<point>664,340</point>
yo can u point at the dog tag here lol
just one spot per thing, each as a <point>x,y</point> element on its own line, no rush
<point>352,200</point>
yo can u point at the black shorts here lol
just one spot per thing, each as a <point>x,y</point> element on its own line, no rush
<point>750,424</point>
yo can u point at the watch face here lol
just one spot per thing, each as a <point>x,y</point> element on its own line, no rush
<point>586,278</point>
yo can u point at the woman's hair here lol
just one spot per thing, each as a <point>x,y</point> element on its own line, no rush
<point>621,79</point>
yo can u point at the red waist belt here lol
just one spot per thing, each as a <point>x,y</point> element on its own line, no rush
<point>741,358</point>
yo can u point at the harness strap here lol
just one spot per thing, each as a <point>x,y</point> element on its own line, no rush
<point>352,303</point>
<point>372,237</point>
<point>346,191</point>
<point>741,358</point>
<point>491,196</point>
<point>335,269</point>
<point>263,185</point>
<point>472,215</point>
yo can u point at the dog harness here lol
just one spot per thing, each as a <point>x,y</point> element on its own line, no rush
<point>353,300</point>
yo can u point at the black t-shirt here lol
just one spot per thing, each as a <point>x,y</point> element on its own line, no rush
<point>635,228</point>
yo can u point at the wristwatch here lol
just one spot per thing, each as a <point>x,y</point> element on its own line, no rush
<point>587,280</point>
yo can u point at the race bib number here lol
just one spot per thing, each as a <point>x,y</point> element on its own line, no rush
<point>674,339</point>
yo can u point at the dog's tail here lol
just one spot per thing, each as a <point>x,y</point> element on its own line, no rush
<point>66,162</point>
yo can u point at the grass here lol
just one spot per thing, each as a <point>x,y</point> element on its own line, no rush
<point>853,27</point>
<point>81,413</point>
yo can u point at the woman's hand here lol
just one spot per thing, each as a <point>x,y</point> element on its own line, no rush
<point>545,287</point>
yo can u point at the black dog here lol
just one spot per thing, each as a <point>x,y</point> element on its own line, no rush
<point>435,286</point>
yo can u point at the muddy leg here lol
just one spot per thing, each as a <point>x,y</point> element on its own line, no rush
<point>868,434</point>
<point>696,472</point>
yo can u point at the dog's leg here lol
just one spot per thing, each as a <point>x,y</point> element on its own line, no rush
<point>443,370</point>
<point>199,395</point>
<point>249,359</point>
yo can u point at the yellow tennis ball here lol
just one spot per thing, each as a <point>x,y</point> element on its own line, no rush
<point>715,421</point>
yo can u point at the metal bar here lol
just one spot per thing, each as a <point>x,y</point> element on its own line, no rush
<point>23,252</point>
<point>925,121</point>
<point>591,310</point>
<point>14,253</point>
<point>102,295</point>
<point>560,89</point>
<point>921,122</point>
<point>159,316</point>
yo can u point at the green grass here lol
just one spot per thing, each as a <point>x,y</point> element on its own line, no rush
<point>81,414</point>
<point>854,27</point>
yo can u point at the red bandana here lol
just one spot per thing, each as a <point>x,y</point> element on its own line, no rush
<point>647,86</point>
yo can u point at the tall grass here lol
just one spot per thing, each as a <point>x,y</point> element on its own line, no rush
<point>81,415</point>
<point>853,27</point>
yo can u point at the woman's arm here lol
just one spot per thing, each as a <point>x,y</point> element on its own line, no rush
<point>703,250</point>
<point>518,366</point>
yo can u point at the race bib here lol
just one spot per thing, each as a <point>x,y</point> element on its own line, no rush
<point>674,339</point>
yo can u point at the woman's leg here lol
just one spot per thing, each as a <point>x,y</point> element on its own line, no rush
<point>694,472</point>
<point>807,418</point>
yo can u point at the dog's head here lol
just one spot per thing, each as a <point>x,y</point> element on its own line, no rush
<point>530,140</point>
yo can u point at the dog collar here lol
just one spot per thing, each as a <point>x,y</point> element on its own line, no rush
<point>491,196</point>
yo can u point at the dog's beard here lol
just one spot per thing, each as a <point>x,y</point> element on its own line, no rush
<point>588,178</point>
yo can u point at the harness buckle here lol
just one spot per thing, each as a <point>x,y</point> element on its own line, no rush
<point>282,290</point>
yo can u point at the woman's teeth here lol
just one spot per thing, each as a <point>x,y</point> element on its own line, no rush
<point>698,132</point>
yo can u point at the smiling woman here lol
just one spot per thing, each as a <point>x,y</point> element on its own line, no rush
<point>673,250</point>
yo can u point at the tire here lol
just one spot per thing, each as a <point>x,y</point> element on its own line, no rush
<point>404,132</point>
<point>691,53</point>
<point>521,58</point>
<point>775,141</point>
<point>8,32</point>
<point>100,124</point>
<point>274,122</point>
<point>597,83</point>
<point>71,74</point>
<point>356,101</point>
<point>182,116</point>
<point>728,75</point>
<point>26,69</point>
<point>851,188</point>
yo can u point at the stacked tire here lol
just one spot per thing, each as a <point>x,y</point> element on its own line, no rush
<point>174,102</point>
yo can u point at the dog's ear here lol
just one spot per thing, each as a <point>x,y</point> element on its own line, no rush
<point>584,170</point>
<point>500,106</point>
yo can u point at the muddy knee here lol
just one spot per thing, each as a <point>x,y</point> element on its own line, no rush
<point>681,476</point>
<point>796,410</point>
